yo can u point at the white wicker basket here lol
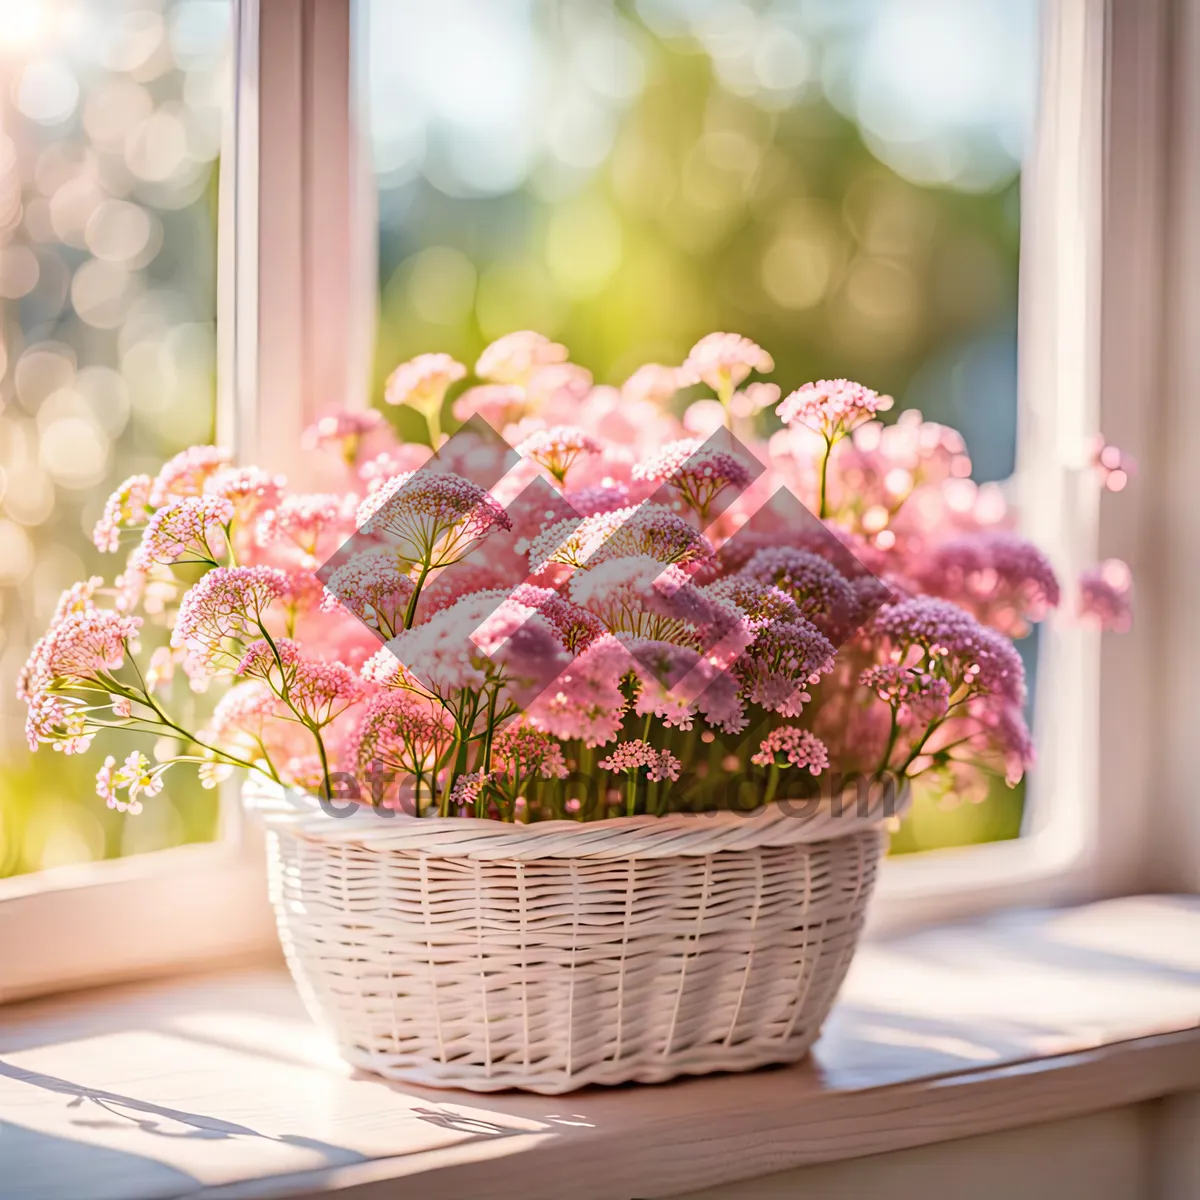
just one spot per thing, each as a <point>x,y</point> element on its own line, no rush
<point>474,954</point>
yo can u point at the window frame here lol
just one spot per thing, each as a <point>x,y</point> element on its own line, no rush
<point>283,312</point>
<point>1093,195</point>
<point>295,326</point>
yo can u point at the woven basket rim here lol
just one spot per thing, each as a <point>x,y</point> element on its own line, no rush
<point>298,814</point>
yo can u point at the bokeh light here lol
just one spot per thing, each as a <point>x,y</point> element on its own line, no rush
<point>112,115</point>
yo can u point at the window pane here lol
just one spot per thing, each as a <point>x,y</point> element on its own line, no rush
<point>838,181</point>
<point>110,128</point>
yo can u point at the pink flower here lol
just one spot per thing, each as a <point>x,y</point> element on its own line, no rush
<point>601,498</point>
<point>375,472</point>
<point>521,751</point>
<point>574,626</point>
<point>652,384</point>
<point>832,407</point>
<point>558,390</point>
<point>422,382</point>
<point>754,398</point>
<point>250,721</point>
<point>401,732</point>
<point>874,472</point>
<point>637,755</point>
<point>918,693</point>
<point>79,649</point>
<point>761,602</point>
<point>796,747</point>
<point>515,356</point>
<point>227,603</point>
<point>239,720</point>
<point>820,591</point>
<point>127,508</point>
<point>641,596</point>
<point>58,721</point>
<point>986,732</point>
<point>586,703</point>
<point>676,682</point>
<point>314,524</point>
<point>785,658</point>
<point>191,529</point>
<point>248,489</point>
<point>448,586</point>
<point>161,669</point>
<point>647,529</point>
<point>317,692</point>
<point>723,360</point>
<point>1000,578</point>
<point>433,518</point>
<point>1105,594</point>
<point>476,644</point>
<point>185,474</point>
<point>702,418</point>
<point>76,599</point>
<point>341,432</point>
<point>557,449</point>
<point>467,788</point>
<point>698,472</point>
<point>954,646</point>
<point>135,775</point>
<point>497,403</point>
<point>374,585</point>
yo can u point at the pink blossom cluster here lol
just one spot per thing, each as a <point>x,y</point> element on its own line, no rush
<point>796,747</point>
<point>629,608</point>
<point>698,471</point>
<point>637,755</point>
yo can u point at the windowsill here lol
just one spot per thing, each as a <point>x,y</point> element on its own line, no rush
<point>220,1086</point>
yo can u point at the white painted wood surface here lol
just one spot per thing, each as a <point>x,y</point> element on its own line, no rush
<point>1102,1156</point>
<point>221,1087</point>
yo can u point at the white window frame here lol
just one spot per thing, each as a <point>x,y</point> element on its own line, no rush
<point>1093,196</point>
<point>285,314</point>
<point>1110,806</point>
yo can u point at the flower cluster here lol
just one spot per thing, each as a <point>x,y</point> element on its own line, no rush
<point>630,616</point>
<point>557,449</point>
<point>791,746</point>
<point>723,360</point>
<point>832,407</point>
<point>699,472</point>
<point>648,529</point>
<point>637,755</point>
<point>432,518</point>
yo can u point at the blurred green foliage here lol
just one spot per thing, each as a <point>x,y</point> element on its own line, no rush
<point>710,212</point>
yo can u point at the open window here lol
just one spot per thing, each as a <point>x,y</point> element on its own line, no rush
<point>949,203</point>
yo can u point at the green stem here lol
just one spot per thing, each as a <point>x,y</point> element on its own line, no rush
<point>143,697</point>
<point>725,395</point>
<point>411,612</point>
<point>822,509</point>
<point>326,782</point>
<point>491,731</point>
<point>891,743</point>
<point>433,418</point>
<point>772,784</point>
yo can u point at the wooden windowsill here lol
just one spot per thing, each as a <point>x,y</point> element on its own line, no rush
<point>220,1086</point>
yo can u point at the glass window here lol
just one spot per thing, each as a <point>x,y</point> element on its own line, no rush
<point>111,122</point>
<point>838,181</point>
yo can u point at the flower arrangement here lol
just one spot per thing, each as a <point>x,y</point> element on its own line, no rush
<point>645,600</point>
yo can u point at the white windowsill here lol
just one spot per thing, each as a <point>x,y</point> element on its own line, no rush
<point>219,1085</point>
